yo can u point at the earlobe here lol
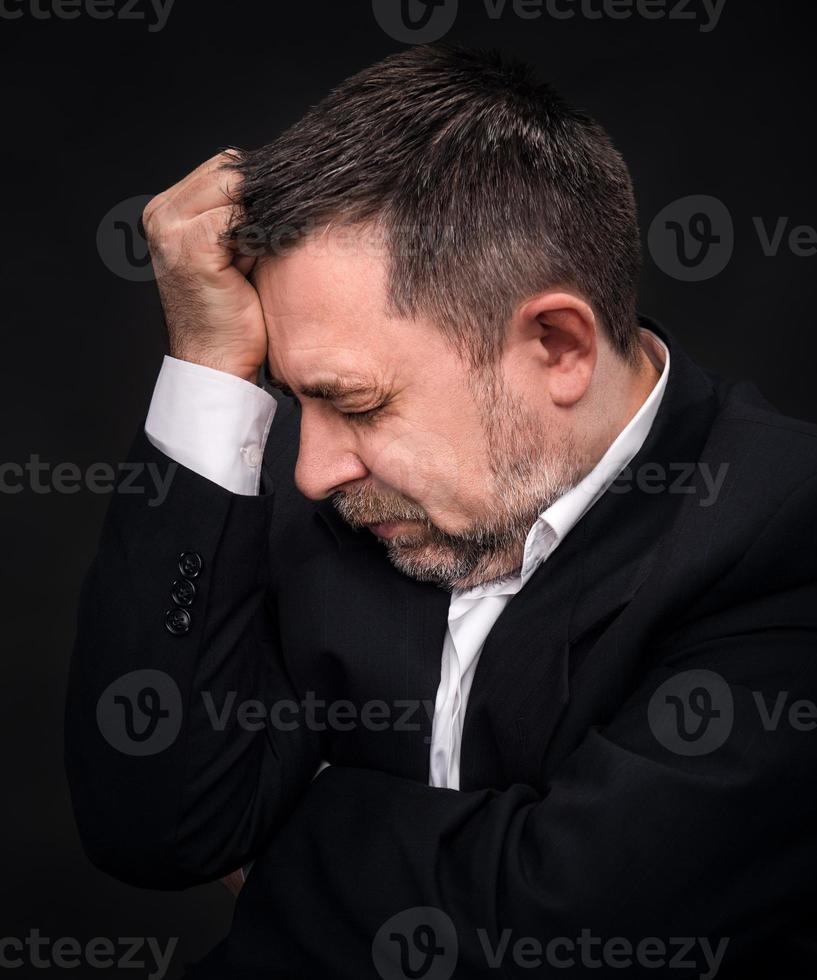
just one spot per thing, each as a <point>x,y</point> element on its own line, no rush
<point>569,379</point>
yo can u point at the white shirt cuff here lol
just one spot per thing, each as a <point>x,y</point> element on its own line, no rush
<point>320,769</point>
<point>214,423</point>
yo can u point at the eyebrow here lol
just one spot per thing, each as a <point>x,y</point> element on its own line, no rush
<point>327,388</point>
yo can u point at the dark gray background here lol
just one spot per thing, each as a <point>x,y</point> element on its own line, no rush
<point>96,112</point>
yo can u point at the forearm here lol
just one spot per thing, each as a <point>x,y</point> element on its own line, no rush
<point>194,800</point>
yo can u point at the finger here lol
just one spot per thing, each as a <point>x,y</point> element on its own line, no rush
<point>233,882</point>
<point>210,166</point>
<point>209,186</point>
<point>204,235</point>
<point>244,263</point>
<point>198,240</point>
<point>212,189</point>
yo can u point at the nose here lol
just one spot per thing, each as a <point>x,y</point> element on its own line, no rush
<point>327,459</point>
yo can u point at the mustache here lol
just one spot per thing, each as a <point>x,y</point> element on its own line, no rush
<point>361,507</point>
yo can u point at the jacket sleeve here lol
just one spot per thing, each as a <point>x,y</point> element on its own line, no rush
<point>184,738</point>
<point>634,837</point>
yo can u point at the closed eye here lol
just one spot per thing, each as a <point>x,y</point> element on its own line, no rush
<point>357,418</point>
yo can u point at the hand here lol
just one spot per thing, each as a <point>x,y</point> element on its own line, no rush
<point>212,311</point>
<point>233,882</point>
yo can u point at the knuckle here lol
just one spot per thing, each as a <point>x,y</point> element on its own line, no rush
<point>166,240</point>
<point>150,211</point>
<point>216,163</point>
<point>225,163</point>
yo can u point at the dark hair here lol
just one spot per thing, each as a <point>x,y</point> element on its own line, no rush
<point>486,185</point>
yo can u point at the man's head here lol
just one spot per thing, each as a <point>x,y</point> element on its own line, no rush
<point>449,232</point>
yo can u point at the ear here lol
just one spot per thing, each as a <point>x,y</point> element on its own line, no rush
<point>559,334</point>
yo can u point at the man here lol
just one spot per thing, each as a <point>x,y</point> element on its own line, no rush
<point>483,628</point>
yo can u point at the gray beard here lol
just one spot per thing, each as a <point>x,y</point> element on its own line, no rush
<point>529,472</point>
<point>492,550</point>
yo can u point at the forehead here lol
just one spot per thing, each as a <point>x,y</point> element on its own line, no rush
<point>325,305</point>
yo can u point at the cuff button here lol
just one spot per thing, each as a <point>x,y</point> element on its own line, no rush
<point>190,563</point>
<point>183,592</point>
<point>177,621</point>
<point>252,455</point>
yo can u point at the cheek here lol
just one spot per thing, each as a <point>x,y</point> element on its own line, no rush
<point>422,464</point>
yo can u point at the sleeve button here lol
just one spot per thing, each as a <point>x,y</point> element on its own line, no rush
<point>177,621</point>
<point>183,592</point>
<point>190,563</point>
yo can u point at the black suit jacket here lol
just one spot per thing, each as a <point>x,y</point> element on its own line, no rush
<point>626,772</point>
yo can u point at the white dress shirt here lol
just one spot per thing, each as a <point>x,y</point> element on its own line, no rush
<point>217,424</point>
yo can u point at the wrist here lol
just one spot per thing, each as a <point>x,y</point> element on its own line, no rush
<point>217,363</point>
